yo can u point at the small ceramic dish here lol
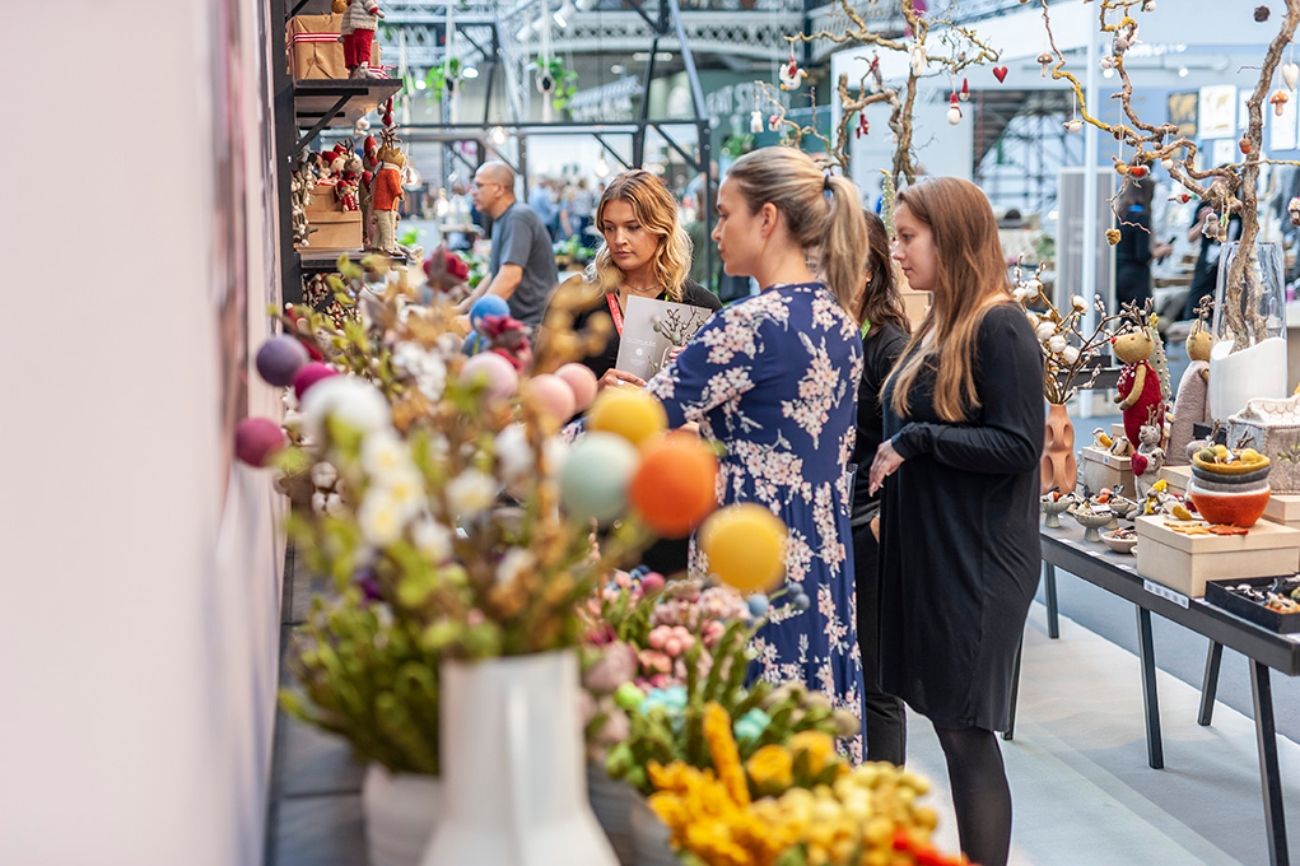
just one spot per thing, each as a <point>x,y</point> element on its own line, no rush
<point>1120,540</point>
<point>1092,522</point>
<point>1053,509</point>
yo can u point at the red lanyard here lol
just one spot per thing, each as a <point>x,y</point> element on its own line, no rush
<point>615,313</point>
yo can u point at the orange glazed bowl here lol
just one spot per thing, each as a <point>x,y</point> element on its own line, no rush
<point>1242,509</point>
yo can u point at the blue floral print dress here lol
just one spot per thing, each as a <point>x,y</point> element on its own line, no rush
<point>774,379</point>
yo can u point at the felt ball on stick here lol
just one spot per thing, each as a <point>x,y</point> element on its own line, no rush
<point>309,374</point>
<point>257,440</point>
<point>582,381</point>
<point>593,483</point>
<point>674,488</point>
<point>551,396</point>
<point>488,305</point>
<point>490,370</point>
<point>279,358</point>
<point>745,545</point>
<point>632,414</point>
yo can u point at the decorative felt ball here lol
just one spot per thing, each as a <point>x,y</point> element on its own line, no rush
<point>309,374</point>
<point>256,439</point>
<point>628,412</point>
<point>474,343</point>
<point>488,305</point>
<point>745,545</point>
<point>551,396</point>
<point>491,370</point>
<point>673,490</point>
<point>593,483</point>
<point>758,605</point>
<point>279,358</point>
<point>583,383</point>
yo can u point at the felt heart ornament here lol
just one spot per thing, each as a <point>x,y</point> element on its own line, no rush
<point>1000,73</point>
<point>1139,464</point>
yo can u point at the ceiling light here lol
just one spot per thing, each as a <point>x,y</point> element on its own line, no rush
<point>1183,72</point>
<point>618,69</point>
<point>601,167</point>
<point>498,135</point>
<point>558,17</point>
<point>469,72</point>
<point>420,84</point>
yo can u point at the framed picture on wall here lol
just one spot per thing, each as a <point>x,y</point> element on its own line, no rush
<point>1217,111</point>
<point>1182,109</point>
<point>1282,129</point>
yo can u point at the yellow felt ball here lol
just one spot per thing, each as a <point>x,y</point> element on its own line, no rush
<point>628,412</point>
<point>745,545</point>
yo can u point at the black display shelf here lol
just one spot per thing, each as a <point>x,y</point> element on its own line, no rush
<point>326,261</point>
<point>335,103</point>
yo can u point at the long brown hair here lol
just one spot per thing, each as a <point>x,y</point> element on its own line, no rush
<point>881,302</point>
<point>831,227</point>
<point>970,277</point>
<point>656,209</point>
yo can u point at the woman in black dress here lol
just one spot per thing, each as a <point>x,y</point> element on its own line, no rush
<point>884,334</point>
<point>1134,252</point>
<point>646,254</point>
<point>959,540</point>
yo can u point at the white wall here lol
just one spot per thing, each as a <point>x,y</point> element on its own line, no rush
<point>138,631</point>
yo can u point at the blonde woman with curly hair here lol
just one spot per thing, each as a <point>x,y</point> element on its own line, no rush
<point>646,254</point>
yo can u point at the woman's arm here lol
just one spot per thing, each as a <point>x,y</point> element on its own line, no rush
<point>1009,379</point>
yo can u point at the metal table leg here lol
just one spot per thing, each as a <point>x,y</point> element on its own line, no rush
<point>1150,697</point>
<point>1269,775</point>
<point>1010,732</point>
<point>1210,685</point>
<point>1049,584</point>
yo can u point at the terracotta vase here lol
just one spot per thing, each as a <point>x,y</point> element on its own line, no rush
<point>1059,467</point>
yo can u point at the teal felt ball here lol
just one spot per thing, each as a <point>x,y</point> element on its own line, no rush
<point>593,484</point>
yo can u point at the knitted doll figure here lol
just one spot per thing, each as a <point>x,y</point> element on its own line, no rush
<point>349,181</point>
<point>360,18</point>
<point>1141,398</point>
<point>1192,405</point>
<point>385,197</point>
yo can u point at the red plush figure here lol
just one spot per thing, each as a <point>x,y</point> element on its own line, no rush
<point>360,18</point>
<point>346,191</point>
<point>386,196</point>
<point>1141,397</point>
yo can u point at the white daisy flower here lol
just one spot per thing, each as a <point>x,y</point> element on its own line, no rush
<point>471,493</point>
<point>407,492</point>
<point>432,539</point>
<point>514,453</point>
<point>380,518</point>
<point>384,456</point>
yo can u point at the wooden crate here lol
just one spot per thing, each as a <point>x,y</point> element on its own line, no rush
<point>1177,477</point>
<point>1185,562</point>
<point>1103,469</point>
<point>1284,509</point>
<point>336,231</point>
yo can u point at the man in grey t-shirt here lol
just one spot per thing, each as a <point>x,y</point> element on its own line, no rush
<point>522,264</point>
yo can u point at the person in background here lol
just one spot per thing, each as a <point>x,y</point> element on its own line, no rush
<point>521,267</point>
<point>645,254</point>
<point>774,380</point>
<point>960,551</point>
<point>1134,252</point>
<point>542,200</point>
<point>1205,276</point>
<point>884,328</point>
<point>695,230</point>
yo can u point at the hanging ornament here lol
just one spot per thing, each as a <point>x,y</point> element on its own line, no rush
<point>1000,73</point>
<point>361,126</point>
<point>1290,74</point>
<point>1279,99</point>
<point>1107,63</point>
<point>1181,198</point>
<point>1244,144</point>
<point>1138,171</point>
<point>954,111</point>
<point>1045,61</point>
<point>919,60</point>
<point>756,121</point>
<point>863,126</point>
<point>965,90</point>
<point>1148,5</point>
<point>1074,124</point>
<point>1167,164</point>
<point>790,75</point>
<point>774,122</point>
<point>1293,211</point>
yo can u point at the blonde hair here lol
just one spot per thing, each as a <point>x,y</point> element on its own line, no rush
<point>831,227</point>
<point>656,210</point>
<point>970,278</point>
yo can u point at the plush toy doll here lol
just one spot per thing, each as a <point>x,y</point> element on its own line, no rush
<point>360,18</point>
<point>1149,458</point>
<point>1141,397</point>
<point>1192,406</point>
<point>349,182</point>
<point>385,197</point>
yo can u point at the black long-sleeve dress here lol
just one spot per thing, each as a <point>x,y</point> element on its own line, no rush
<point>960,553</point>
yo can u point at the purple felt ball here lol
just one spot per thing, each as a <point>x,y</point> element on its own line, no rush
<point>309,374</point>
<point>256,439</point>
<point>279,358</point>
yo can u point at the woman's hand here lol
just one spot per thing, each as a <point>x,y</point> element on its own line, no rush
<point>886,464</point>
<point>614,377</point>
<point>673,353</point>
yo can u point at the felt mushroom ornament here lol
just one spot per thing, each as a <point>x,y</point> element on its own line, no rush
<point>1278,100</point>
<point>1045,61</point>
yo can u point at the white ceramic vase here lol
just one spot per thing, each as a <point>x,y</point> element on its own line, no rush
<point>513,769</point>
<point>401,810</point>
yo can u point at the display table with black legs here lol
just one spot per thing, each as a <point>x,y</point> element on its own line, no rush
<point>1065,549</point>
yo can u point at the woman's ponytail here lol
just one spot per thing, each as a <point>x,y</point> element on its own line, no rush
<point>845,245</point>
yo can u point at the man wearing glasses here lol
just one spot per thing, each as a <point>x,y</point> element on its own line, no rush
<point>522,264</point>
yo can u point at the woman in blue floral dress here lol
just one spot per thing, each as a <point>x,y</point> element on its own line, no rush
<point>773,378</point>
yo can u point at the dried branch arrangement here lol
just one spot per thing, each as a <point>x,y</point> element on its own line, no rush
<point>937,46</point>
<point>1230,189</point>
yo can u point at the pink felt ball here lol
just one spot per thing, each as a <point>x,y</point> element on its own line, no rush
<point>583,383</point>
<point>552,396</point>
<point>493,371</point>
<point>309,374</point>
<point>256,439</point>
<point>279,359</point>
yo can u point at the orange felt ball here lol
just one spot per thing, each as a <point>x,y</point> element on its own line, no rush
<point>674,488</point>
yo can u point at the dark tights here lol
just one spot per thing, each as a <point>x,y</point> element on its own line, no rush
<point>979,792</point>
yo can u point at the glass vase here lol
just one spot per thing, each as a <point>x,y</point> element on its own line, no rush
<point>1249,355</point>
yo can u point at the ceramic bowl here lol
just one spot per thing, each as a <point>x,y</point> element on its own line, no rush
<point>1119,545</point>
<point>1242,509</point>
<point>1054,510</point>
<point>1230,477</point>
<point>1092,521</point>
